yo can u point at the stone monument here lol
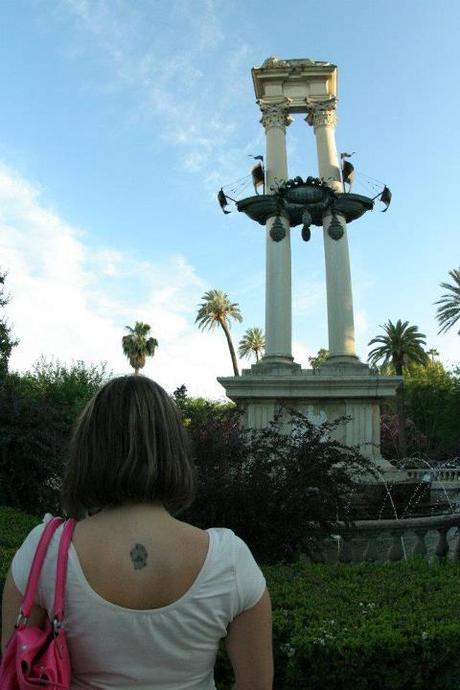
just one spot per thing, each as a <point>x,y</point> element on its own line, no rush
<point>343,385</point>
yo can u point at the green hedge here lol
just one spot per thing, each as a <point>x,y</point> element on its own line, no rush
<point>360,627</point>
<point>366,627</point>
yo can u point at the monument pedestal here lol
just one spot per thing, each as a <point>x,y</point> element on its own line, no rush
<point>336,389</point>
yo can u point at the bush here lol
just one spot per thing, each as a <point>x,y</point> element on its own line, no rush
<point>66,388</point>
<point>432,405</point>
<point>37,413</point>
<point>367,626</point>
<point>197,411</point>
<point>33,438</point>
<point>267,485</point>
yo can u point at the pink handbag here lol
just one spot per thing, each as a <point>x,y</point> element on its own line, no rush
<point>39,657</point>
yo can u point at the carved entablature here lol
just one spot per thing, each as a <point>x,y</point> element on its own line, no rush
<point>291,65</point>
<point>273,61</point>
<point>275,115</point>
<point>321,112</point>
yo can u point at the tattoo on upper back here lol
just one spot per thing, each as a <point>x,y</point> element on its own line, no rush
<point>138,556</point>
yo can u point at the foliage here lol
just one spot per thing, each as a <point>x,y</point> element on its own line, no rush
<point>433,402</point>
<point>400,345</point>
<point>390,434</point>
<point>137,346</point>
<point>33,437</point>
<point>217,309</point>
<point>320,357</point>
<point>15,526</point>
<point>371,626</point>
<point>6,341</point>
<point>432,405</point>
<point>67,388</point>
<point>448,313</point>
<point>196,411</point>
<point>268,484</point>
<point>37,413</point>
<point>252,342</point>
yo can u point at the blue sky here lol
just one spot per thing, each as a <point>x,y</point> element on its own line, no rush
<point>119,121</point>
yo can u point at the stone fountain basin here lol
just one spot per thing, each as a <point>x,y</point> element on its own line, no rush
<point>408,498</point>
<point>264,206</point>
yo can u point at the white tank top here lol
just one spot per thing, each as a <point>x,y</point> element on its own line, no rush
<point>169,648</point>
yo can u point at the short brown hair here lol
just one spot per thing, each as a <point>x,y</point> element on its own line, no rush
<point>129,446</point>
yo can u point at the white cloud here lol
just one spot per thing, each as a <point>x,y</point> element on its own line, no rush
<point>71,300</point>
<point>197,115</point>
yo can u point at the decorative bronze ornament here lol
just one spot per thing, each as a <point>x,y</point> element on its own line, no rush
<point>335,229</point>
<point>306,217</point>
<point>306,233</point>
<point>277,231</point>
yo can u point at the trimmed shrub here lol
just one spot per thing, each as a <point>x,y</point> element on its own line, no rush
<point>367,626</point>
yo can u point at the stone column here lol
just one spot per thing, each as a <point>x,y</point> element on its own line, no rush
<point>278,307</point>
<point>321,115</point>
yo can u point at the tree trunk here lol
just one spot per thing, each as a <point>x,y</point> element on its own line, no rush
<point>230,347</point>
<point>401,414</point>
<point>257,356</point>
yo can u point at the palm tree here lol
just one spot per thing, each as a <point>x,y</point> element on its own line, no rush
<point>252,342</point>
<point>137,346</point>
<point>432,353</point>
<point>449,311</point>
<point>400,346</point>
<point>217,309</point>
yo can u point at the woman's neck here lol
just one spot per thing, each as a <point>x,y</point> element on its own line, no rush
<point>135,510</point>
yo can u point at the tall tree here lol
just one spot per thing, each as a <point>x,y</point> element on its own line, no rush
<point>217,309</point>
<point>400,346</point>
<point>448,313</point>
<point>6,341</point>
<point>252,342</point>
<point>137,345</point>
<point>432,398</point>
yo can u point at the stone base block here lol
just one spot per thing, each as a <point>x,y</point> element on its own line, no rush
<point>334,390</point>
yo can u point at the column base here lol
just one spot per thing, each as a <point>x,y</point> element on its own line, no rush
<point>275,365</point>
<point>344,365</point>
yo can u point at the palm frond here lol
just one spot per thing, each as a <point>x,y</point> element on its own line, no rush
<point>401,345</point>
<point>136,346</point>
<point>448,312</point>
<point>215,309</point>
<point>252,342</point>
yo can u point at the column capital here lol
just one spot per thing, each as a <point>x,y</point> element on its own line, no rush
<point>321,113</point>
<point>275,114</point>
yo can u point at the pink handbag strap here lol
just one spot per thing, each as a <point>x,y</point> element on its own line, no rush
<point>61,568</point>
<point>39,557</point>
